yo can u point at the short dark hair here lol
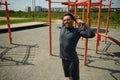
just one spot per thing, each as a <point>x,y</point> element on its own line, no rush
<point>71,15</point>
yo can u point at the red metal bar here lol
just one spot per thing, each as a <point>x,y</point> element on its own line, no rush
<point>50,29</point>
<point>61,2</point>
<point>83,3</point>
<point>3,3</point>
<point>104,35</point>
<point>83,13</point>
<point>0,3</point>
<point>8,22</point>
<point>86,40</point>
<point>72,3</point>
<point>75,11</point>
<point>112,39</point>
<point>92,4</point>
<point>98,26</point>
<point>68,5</point>
<point>108,18</point>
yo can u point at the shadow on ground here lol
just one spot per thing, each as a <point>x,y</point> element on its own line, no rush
<point>17,54</point>
<point>112,71</point>
<point>105,57</point>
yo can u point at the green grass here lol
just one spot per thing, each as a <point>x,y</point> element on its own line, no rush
<point>43,16</point>
<point>93,23</point>
<point>2,22</point>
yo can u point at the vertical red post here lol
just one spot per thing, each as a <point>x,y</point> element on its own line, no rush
<point>98,26</point>
<point>0,2</point>
<point>83,12</point>
<point>50,29</point>
<point>68,5</point>
<point>108,17</point>
<point>8,22</point>
<point>86,40</point>
<point>75,11</point>
<point>75,8</point>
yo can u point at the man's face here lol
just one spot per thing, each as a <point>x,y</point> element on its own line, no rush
<point>68,22</point>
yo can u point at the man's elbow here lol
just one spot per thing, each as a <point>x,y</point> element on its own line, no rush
<point>92,35</point>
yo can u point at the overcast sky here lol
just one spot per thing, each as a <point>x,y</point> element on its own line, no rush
<point>21,4</point>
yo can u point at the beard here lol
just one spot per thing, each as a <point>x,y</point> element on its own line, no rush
<point>68,25</point>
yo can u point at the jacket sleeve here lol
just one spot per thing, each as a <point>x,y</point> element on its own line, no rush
<point>87,32</point>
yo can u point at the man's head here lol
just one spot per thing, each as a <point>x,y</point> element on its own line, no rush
<point>68,20</point>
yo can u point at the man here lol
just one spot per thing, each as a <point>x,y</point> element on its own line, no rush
<point>69,37</point>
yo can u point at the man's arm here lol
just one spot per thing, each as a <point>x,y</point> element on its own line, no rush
<point>86,32</point>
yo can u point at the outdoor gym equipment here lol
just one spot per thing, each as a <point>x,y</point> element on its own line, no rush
<point>98,37</point>
<point>88,4</point>
<point>8,19</point>
<point>69,4</point>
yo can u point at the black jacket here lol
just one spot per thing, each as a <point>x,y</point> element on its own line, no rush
<point>69,38</point>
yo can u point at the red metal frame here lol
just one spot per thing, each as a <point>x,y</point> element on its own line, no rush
<point>98,26</point>
<point>68,5</point>
<point>88,4</point>
<point>112,39</point>
<point>108,18</point>
<point>50,29</point>
<point>8,20</point>
<point>89,23</point>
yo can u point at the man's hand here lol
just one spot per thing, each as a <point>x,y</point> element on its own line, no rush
<point>80,22</point>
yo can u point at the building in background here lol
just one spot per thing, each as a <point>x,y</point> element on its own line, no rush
<point>27,9</point>
<point>60,9</point>
<point>38,9</point>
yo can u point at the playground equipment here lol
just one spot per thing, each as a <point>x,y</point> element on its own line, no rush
<point>8,19</point>
<point>88,4</point>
